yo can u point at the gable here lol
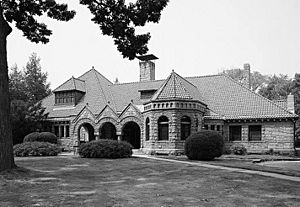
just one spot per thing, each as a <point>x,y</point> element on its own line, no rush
<point>130,110</point>
<point>107,112</point>
<point>85,113</point>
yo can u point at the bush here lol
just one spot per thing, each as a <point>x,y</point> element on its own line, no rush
<point>41,137</point>
<point>36,149</point>
<point>105,148</point>
<point>204,145</point>
<point>238,149</point>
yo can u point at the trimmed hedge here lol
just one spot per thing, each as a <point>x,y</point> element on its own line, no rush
<point>238,149</point>
<point>204,145</point>
<point>36,149</point>
<point>41,137</point>
<point>105,148</point>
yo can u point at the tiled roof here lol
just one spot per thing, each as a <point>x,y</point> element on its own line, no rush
<point>232,100</point>
<point>97,95</point>
<point>176,87</point>
<point>72,84</point>
<point>224,96</point>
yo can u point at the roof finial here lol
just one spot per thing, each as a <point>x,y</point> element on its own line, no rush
<point>93,67</point>
<point>173,71</point>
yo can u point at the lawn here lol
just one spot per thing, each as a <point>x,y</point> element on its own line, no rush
<point>73,181</point>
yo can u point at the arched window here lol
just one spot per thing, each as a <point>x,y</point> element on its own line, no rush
<point>163,128</point>
<point>185,127</point>
<point>147,129</point>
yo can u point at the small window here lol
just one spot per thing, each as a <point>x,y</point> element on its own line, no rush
<point>163,128</point>
<point>185,127</point>
<point>255,133</point>
<point>235,133</point>
<point>218,127</point>
<point>212,127</point>
<point>147,129</point>
<point>62,131</point>
<point>206,127</point>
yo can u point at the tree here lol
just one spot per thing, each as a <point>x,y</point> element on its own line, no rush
<point>35,80</point>
<point>278,87</point>
<point>26,89</point>
<point>257,80</point>
<point>115,18</point>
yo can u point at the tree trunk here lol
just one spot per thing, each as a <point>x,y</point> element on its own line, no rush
<point>6,146</point>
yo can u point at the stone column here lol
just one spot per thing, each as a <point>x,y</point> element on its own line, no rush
<point>65,130</point>
<point>59,131</point>
<point>52,129</point>
<point>97,135</point>
<point>119,136</point>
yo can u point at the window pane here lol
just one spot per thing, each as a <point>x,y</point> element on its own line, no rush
<point>235,133</point>
<point>255,133</point>
<point>212,127</point>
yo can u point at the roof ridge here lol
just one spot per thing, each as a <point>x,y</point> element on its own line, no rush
<point>98,81</point>
<point>62,83</point>
<point>74,82</point>
<point>270,101</point>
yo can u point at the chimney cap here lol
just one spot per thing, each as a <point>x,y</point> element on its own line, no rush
<point>147,57</point>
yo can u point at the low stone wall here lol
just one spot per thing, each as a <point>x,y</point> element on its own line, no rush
<point>66,143</point>
<point>163,147</point>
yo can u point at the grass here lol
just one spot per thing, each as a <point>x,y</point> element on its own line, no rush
<point>72,181</point>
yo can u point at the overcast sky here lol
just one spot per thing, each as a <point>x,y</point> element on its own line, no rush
<point>194,37</point>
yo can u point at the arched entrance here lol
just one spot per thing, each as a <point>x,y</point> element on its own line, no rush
<point>108,131</point>
<point>132,133</point>
<point>86,133</point>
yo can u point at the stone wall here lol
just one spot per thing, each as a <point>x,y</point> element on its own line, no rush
<point>174,144</point>
<point>278,136</point>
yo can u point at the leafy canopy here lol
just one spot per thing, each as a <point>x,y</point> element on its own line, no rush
<point>114,17</point>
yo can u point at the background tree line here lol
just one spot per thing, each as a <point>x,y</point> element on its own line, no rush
<point>27,87</point>
<point>273,87</point>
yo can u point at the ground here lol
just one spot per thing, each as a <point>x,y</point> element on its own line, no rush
<point>73,181</point>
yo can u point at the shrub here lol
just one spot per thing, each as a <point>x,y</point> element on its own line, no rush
<point>41,137</point>
<point>105,148</point>
<point>238,149</point>
<point>35,149</point>
<point>204,145</point>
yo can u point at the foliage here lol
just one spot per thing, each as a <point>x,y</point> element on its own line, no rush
<point>41,137</point>
<point>118,20</point>
<point>278,87</point>
<point>257,80</point>
<point>36,149</point>
<point>204,145</point>
<point>36,84</point>
<point>26,88</point>
<point>238,149</point>
<point>105,148</point>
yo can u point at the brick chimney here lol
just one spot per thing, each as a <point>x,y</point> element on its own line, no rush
<point>147,67</point>
<point>291,103</point>
<point>247,75</point>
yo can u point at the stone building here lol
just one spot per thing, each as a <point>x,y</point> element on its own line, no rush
<point>158,115</point>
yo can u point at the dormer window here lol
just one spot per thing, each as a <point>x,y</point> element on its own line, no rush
<point>66,97</point>
<point>147,94</point>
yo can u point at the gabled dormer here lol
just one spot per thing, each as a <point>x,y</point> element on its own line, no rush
<point>70,92</point>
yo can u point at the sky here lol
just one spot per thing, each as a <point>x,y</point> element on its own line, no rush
<point>194,38</point>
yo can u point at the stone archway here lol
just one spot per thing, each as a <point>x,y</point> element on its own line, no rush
<point>131,133</point>
<point>108,131</point>
<point>85,133</point>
